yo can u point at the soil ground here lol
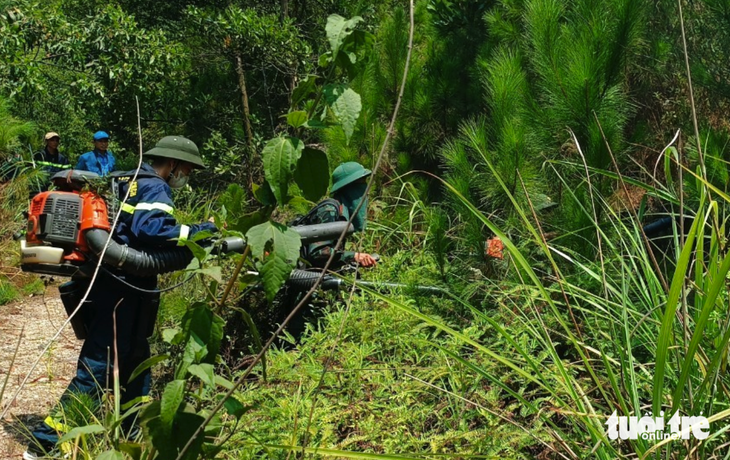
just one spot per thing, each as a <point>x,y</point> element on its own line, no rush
<point>32,322</point>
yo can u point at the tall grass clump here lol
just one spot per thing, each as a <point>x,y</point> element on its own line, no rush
<point>17,176</point>
<point>609,332</point>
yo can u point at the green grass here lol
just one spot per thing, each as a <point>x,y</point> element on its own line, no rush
<point>392,388</point>
<point>8,292</point>
<point>35,286</point>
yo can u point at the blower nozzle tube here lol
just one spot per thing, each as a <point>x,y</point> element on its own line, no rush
<point>151,262</point>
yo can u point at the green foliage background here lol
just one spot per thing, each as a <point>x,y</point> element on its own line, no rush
<point>515,113</point>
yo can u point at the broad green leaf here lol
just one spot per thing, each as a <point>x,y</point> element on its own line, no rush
<point>214,272</point>
<point>111,455</point>
<point>273,237</point>
<point>347,109</point>
<point>282,245</point>
<point>197,250</point>
<point>234,407</point>
<point>206,327</point>
<point>149,412</point>
<point>193,353</point>
<point>81,430</point>
<point>204,372</point>
<point>171,399</point>
<point>332,92</point>
<point>300,205</point>
<point>202,235</point>
<point>243,223</point>
<point>303,89</point>
<point>351,57</point>
<point>216,337</point>
<point>338,28</point>
<point>312,174</point>
<point>263,194</point>
<point>247,279</point>
<point>296,119</point>
<point>148,363</point>
<point>173,336</point>
<point>170,443</point>
<point>280,157</point>
<point>325,59</point>
<point>133,449</point>
<point>274,273</point>
<point>225,383</point>
<point>316,124</point>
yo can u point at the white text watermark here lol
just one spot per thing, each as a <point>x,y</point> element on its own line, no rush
<point>656,428</point>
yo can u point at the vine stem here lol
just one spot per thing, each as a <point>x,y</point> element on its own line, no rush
<point>237,384</point>
<point>234,277</point>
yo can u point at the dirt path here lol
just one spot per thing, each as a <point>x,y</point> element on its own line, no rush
<point>38,318</point>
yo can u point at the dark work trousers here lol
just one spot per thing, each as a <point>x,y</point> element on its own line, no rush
<point>135,318</point>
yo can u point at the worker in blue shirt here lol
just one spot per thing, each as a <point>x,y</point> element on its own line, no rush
<point>147,221</point>
<point>100,160</point>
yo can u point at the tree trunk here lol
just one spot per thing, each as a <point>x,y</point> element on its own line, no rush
<point>244,97</point>
<point>284,9</point>
<point>246,117</point>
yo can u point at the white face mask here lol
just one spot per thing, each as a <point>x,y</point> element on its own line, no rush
<point>177,180</point>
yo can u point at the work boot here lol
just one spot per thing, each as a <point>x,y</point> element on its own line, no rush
<point>34,451</point>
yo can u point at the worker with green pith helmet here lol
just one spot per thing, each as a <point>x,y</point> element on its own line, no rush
<point>349,181</point>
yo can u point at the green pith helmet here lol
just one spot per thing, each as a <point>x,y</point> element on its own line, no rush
<point>178,148</point>
<point>347,173</point>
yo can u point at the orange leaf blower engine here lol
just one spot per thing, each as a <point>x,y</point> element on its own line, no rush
<point>70,227</point>
<point>55,241</point>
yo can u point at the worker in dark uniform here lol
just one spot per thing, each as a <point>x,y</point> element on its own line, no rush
<point>146,222</point>
<point>349,181</point>
<point>50,160</point>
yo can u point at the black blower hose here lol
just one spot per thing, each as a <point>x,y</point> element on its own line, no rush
<point>304,280</point>
<point>140,263</point>
<point>163,260</point>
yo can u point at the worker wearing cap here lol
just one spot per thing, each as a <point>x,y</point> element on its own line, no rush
<point>100,160</point>
<point>349,181</point>
<point>147,221</point>
<point>49,159</point>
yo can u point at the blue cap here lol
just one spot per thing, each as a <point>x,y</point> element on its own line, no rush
<point>99,135</point>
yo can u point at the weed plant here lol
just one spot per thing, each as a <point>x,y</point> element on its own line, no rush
<point>535,367</point>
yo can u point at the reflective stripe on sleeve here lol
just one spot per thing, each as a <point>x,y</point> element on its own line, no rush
<point>154,206</point>
<point>56,425</point>
<point>147,207</point>
<point>53,165</point>
<point>184,232</point>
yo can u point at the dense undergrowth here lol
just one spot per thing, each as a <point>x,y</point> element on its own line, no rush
<point>542,124</point>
